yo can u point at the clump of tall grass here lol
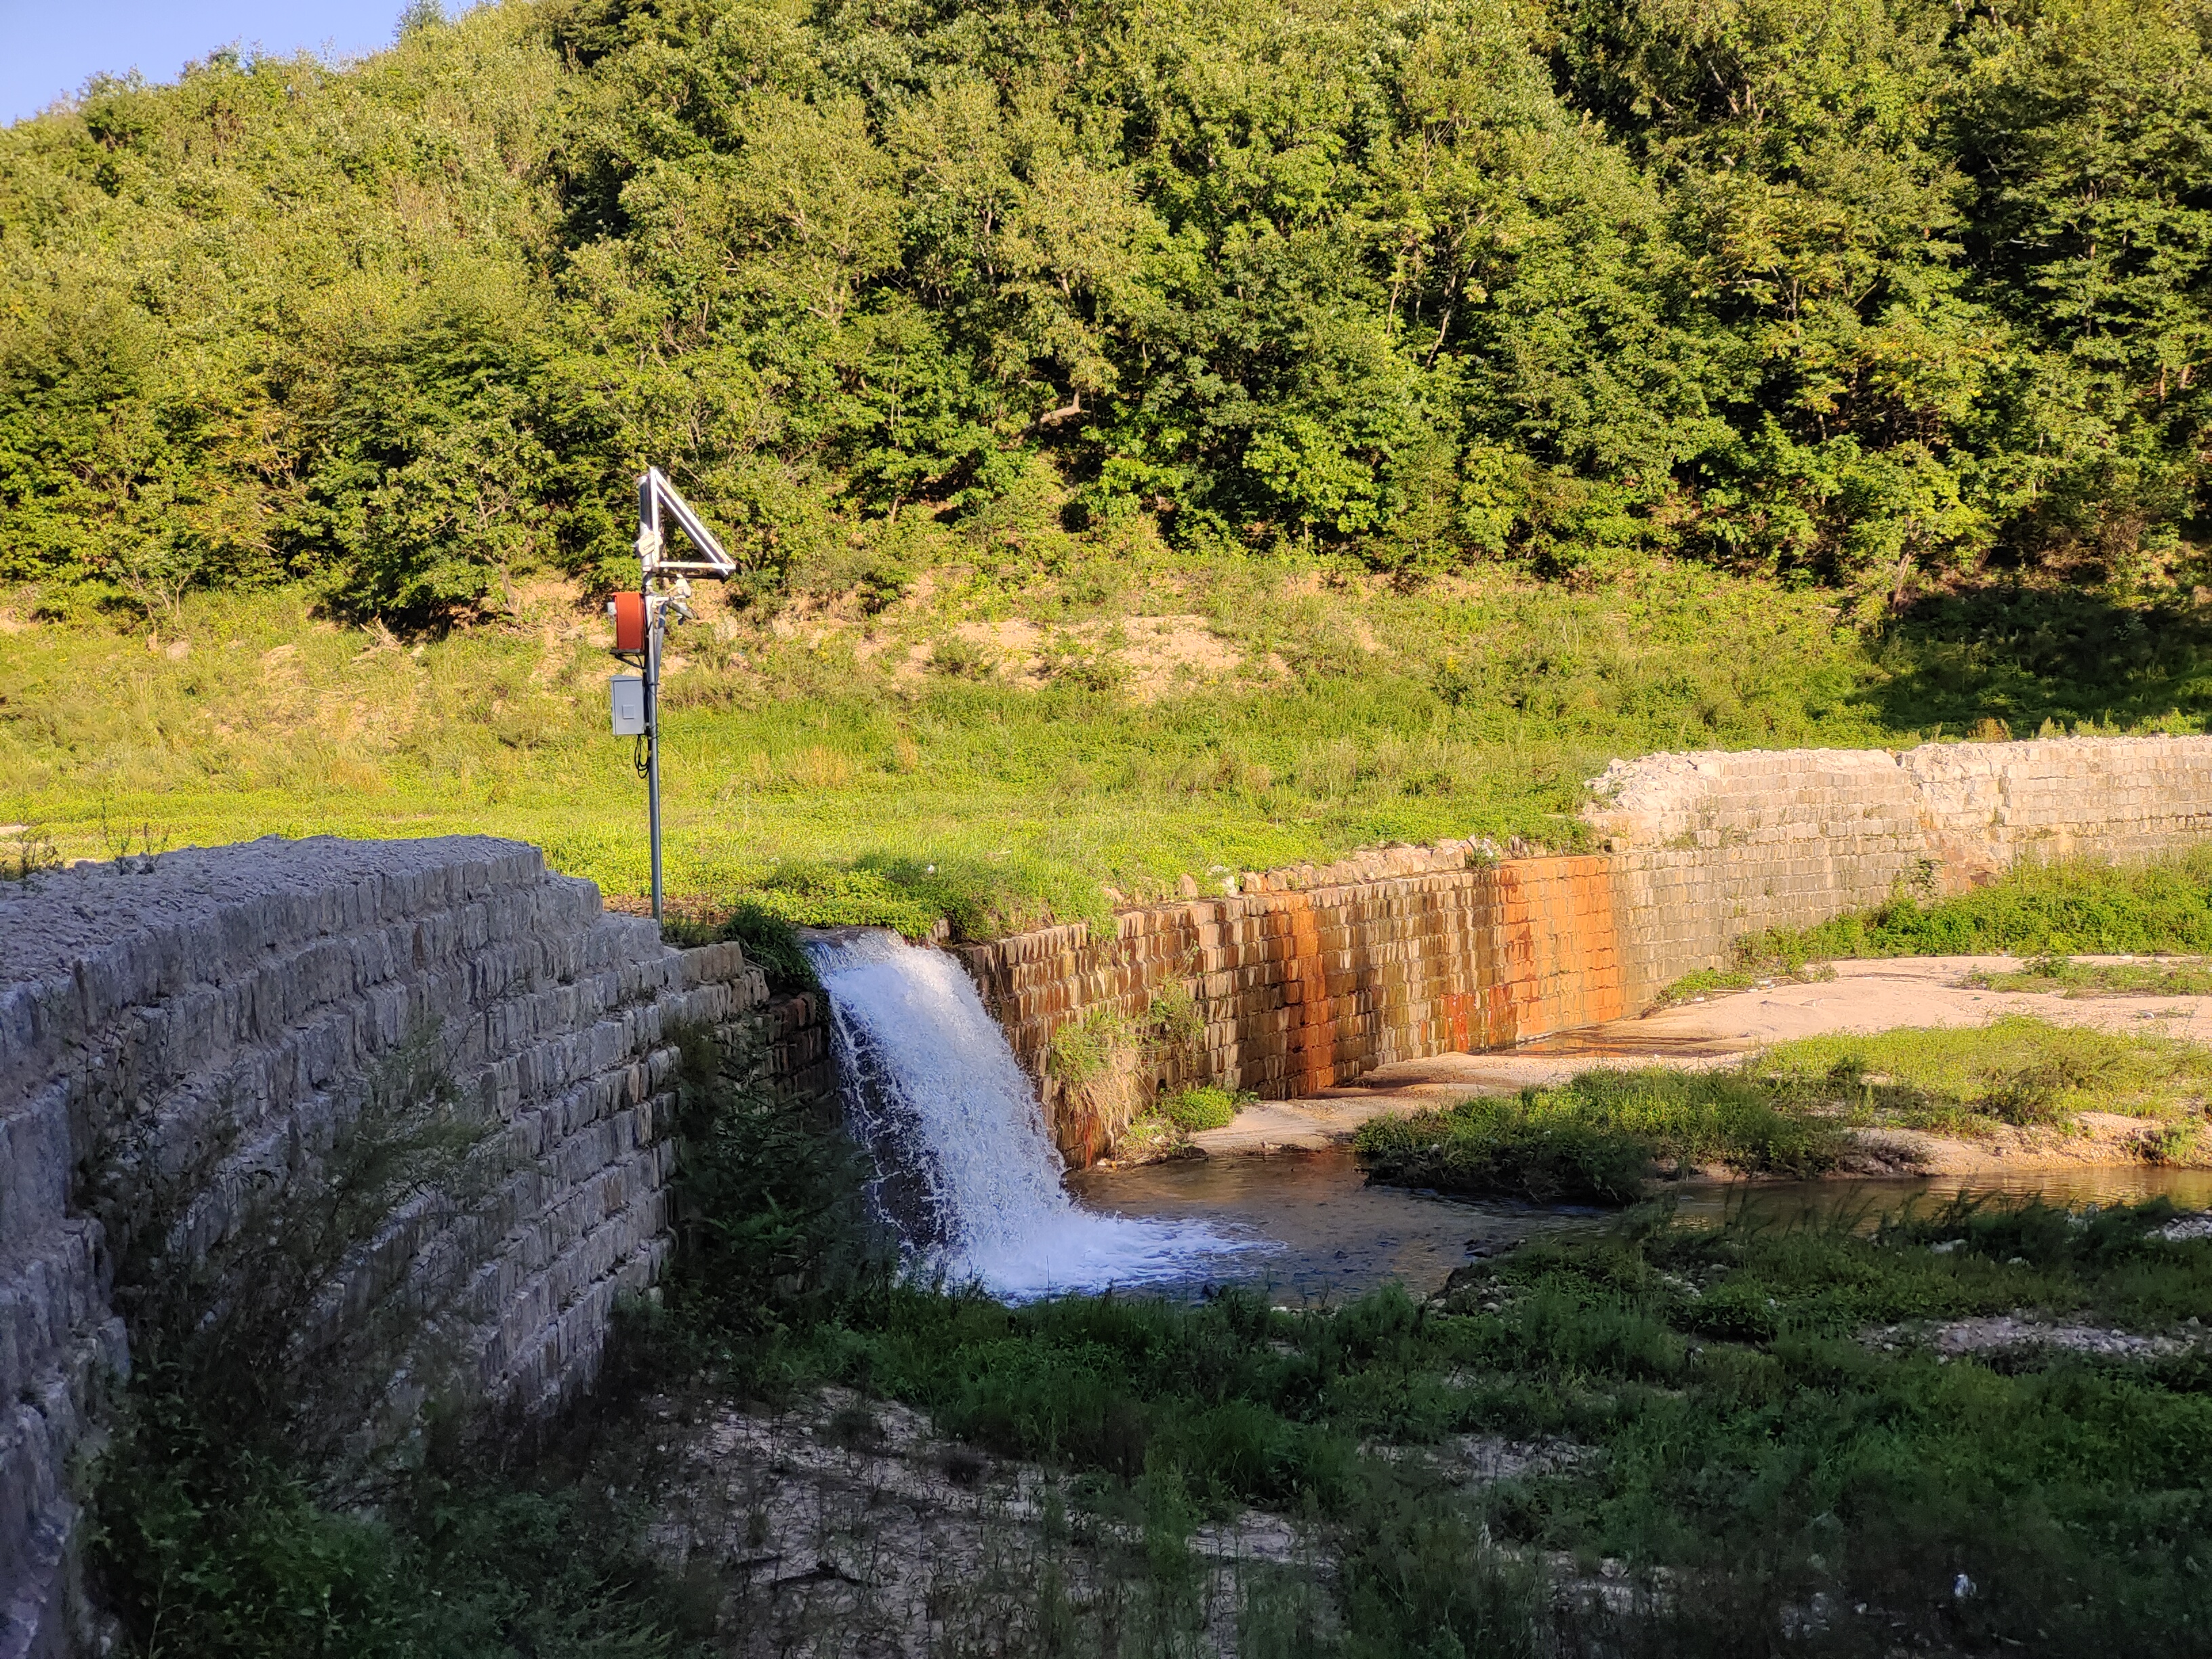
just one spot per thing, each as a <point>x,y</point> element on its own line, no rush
<point>2017,1070</point>
<point>1165,1131</point>
<point>2067,907</point>
<point>1202,1106</point>
<point>1601,1137</point>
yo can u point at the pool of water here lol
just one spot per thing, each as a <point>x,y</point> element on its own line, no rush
<point>1321,1235</point>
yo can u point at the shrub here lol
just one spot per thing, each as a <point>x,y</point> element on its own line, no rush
<point>1202,1106</point>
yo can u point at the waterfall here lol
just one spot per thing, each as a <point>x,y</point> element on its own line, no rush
<point>965,1170</point>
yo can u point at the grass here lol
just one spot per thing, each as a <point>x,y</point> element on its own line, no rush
<point>815,763</point>
<point>2018,1070</point>
<point>2055,908</point>
<point>1203,1107</point>
<point>1703,983</point>
<point>1753,1443</point>
<point>1744,1450</point>
<point>2067,977</point>
<point>834,762</point>
<point>1603,1137</point>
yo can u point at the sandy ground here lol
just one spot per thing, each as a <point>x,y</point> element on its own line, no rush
<point>1720,1029</point>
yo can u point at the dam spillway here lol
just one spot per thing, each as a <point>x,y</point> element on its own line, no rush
<point>203,1023</point>
<point>965,1172</point>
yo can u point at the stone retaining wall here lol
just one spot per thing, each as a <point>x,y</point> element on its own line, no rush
<point>1710,847</point>
<point>1315,977</point>
<point>179,1042</point>
<point>1310,977</point>
<point>797,1062</point>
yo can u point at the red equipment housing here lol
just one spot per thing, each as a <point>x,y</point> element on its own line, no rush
<point>629,610</point>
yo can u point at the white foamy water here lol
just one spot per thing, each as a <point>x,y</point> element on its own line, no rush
<point>965,1170</point>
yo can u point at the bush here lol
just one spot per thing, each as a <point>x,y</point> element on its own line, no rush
<point>1202,1106</point>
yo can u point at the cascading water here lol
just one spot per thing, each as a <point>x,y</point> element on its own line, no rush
<point>965,1171</point>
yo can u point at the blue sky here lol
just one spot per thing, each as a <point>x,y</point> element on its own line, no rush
<point>49,47</point>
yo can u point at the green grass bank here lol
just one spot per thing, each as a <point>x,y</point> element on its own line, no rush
<point>1001,742</point>
<point>1605,1135</point>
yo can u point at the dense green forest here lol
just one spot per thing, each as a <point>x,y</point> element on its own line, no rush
<point>1865,293</point>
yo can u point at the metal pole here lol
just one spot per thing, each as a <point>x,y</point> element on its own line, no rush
<point>653,738</point>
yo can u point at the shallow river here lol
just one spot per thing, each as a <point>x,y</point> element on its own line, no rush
<point>1321,1234</point>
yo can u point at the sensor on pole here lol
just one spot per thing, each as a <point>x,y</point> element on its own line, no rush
<point>642,620</point>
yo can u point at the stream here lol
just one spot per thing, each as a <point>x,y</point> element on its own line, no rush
<point>1318,1234</point>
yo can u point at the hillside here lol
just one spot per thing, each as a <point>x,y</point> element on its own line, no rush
<point>1864,294</point>
<point>994,749</point>
<point>1155,441</point>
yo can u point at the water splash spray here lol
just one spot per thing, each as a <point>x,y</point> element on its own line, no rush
<point>966,1172</point>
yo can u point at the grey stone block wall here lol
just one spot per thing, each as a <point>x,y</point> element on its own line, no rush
<point>1708,847</point>
<point>178,1040</point>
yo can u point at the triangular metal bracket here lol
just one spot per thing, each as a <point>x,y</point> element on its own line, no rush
<point>657,496</point>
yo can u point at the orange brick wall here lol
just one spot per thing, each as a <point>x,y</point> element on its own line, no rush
<point>1305,988</point>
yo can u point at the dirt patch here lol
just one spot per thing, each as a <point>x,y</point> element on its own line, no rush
<point>1171,654</point>
<point>1146,658</point>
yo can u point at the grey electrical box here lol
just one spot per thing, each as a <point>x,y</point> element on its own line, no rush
<point>628,691</point>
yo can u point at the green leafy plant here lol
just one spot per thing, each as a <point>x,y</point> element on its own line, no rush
<point>1202,1106</point>
<point>1084,1050</point>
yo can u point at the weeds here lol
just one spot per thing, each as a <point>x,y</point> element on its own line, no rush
<point>1605,1135</point>
<point>2069,978</point>
<point>1782,1461</point>
<point>1747,1455</point>
<point>2074,906</point>
<point>1165,1131</point>
<point>31,854</point>
<point>772,1231</point>
<point>1753,974</point>
<point>771,943</point>
<point>2018,1070</point>
<point>1601,1138</point>
<point>1203,1107</point>
<point>1084,1050</point>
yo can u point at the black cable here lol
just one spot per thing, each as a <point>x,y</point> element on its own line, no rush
<point>637,757</point>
